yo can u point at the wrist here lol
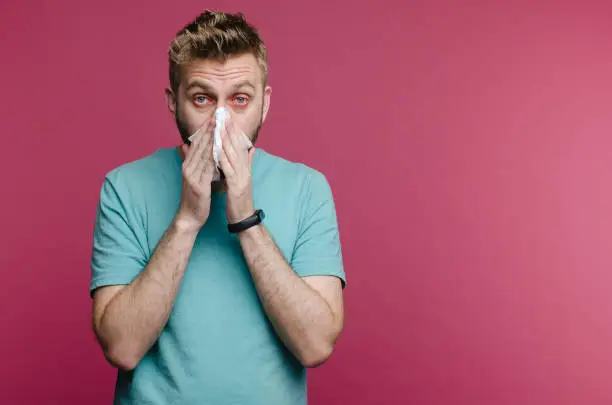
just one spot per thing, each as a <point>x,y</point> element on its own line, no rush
<point>248,223</point>
<point>184,225</point>
<point>241,215</point>
<point>255,232</point>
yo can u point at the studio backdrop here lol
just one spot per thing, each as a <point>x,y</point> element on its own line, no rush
<point>469,149</point>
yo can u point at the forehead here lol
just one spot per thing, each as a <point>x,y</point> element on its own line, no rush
<point>220,73</point>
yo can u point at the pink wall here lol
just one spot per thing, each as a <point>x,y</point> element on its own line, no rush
<point>469,147</point>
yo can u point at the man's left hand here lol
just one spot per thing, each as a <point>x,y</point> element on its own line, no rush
<point>235,160</point>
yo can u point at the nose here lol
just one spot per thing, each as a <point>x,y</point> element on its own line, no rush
<point>220,104</point>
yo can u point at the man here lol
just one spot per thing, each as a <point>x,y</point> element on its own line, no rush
<point>198,296</point>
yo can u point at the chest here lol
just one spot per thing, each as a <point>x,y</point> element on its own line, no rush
<point>214,240</point>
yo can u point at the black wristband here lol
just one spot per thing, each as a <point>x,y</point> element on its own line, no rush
<point>246,223</point>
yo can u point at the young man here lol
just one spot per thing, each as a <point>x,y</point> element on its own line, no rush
<point>217,272</point>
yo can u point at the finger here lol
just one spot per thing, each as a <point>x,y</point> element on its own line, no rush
<point>208,163</point>
<point>204,156</point>
<point>203,130</point>
<point>226,166</point>
<point>192,152</point>
<point>210,126</point>
<point>237,137</point>
<point>229,145</point>
<point>207,133</point>
<point>198,146</point>
<point>192,169</point>
<point>241,144</point>
<point>225,144</point>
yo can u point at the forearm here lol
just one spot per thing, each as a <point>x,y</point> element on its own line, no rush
<point>134,318</point>
<point>301,317</point>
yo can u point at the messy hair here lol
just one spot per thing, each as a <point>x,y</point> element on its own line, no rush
<point>215,35</point>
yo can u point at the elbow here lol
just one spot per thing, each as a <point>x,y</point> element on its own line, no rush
<point>122,358</point>
<point>316,355</point>
<point>319,350</point>
<point>121,353</point>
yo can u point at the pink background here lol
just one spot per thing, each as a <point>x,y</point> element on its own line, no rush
<point>468,146</point>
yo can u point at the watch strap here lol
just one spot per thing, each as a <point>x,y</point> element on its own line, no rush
<point>255,219</point>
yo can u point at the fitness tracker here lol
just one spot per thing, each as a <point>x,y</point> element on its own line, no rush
<point>247,223</point>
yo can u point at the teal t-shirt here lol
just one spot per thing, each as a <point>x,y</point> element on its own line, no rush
<point>218,346</point>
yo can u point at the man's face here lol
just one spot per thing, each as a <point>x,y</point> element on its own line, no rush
<point>206,84</point>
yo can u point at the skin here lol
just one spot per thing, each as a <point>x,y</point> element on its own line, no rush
<point>307,313</point>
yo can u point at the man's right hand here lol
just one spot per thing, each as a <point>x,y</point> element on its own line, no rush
<point>128,319</point>
<point>198,168</point>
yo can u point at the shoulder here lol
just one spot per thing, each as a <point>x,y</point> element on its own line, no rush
<point>291,175</point>
<point>142,172</point>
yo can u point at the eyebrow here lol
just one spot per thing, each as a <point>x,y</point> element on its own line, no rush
<point>242,84</point>
<point>199,84</point>
<point>205,86</point>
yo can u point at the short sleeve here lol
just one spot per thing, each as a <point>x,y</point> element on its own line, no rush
<point>317,251</point>
<point>117,256</point>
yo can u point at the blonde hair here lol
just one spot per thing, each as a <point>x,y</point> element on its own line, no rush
<point>215,35</point>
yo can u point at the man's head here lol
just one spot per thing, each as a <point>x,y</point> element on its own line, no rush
<point>218,60</point>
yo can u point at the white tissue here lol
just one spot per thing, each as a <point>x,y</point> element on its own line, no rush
<point>220,117</point>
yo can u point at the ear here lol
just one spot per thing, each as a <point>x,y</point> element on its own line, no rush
<point>266,102</point>
<point>170,100</point>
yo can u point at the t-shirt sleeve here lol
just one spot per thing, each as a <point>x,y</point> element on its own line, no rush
<point>317,251</point>
<point>117,256</point>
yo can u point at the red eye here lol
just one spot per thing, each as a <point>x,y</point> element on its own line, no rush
<point>201,99</point>
<point>241,100</point>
